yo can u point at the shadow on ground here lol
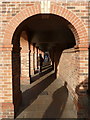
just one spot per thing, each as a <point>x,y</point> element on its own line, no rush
<point>29,96</point>
<point>57,106</point>
<point>36,77</point>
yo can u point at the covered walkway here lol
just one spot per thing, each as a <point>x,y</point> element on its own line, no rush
<point>54,92</point>
<point>47,97</point>
<point>58,90</point>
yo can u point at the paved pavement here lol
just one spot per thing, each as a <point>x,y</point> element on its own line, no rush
<point>47,97</point>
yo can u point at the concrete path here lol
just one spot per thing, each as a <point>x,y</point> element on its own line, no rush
<point>47,98</point>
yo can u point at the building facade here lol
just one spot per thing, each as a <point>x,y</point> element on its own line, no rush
<point>18,56</point>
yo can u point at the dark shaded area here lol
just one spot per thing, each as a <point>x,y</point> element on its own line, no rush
<point>46,66</point>
<point>83,103</point>
<point>16,72</point>
<point>88,91</point>
<point>49,119</point>
<point>31,94</point>
<point>89,49</point>
<point>29,61</point>
<point>45,31</point>
<point>57,55</point>
<point>36,77</point>
<point>57,106</point>
<point>55,58</point>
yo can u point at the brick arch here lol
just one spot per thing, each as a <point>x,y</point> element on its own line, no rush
<point>79,32</point>
<point>77,25</point>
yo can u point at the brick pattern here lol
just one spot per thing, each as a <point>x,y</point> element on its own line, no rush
<point>31,59</point>
<point>83,64</point>
<point>12,14</point>
<point>6,99</point>
<point>28,63</point>
<point>79,8</point>
<point>7,110</point>
<point>18,18</point>
<point>35,9</point>
<point>11,9</point>
<point>24,58</point>
<point>16,71</point>
<point>68,68</point>
<point>36,59</point>
<point>76,22</point>
<point>74,66</point>
<point>79,29</point>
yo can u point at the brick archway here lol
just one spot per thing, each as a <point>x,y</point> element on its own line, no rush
<point>77,25</point>
<point>77,28</point>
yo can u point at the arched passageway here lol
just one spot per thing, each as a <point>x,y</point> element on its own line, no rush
<point>43,32</point>
<point>55,33</point>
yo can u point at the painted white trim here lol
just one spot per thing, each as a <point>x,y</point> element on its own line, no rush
<point>45,6</point>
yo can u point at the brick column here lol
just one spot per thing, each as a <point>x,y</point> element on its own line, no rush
<point>81,89</point>
<point>89,71</point>
<point>83,63</point>
<point>35,58</point>
<point>16,73</point>
<point>6,93</point>
<point>25,78</point>
<point>52,57</point>
<point>24,44</point>
<point>31,60</point>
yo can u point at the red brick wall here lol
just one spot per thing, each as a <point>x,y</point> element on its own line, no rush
<point>6,99</point>
<point>68,68</point>
<point>13,13</point>
<point>73,69</point>
<point>79,8</point>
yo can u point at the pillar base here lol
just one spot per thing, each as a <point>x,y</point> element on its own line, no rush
<point>17,102</point>
<point>7,110</point>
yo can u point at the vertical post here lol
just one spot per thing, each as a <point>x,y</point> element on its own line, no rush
<point>88,70</point>
<point>37,57</point>
<point>6,89</point>
<point>53,59</point>
<point>89,49</point>
<point>31,60</point>
<point>34,57</point>
<point>24,44</point>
